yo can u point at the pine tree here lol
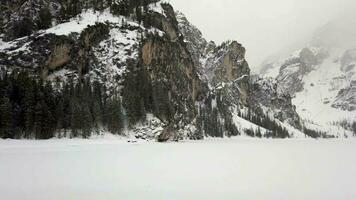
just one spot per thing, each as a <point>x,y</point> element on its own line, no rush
<point>97,115</point>
<point>47,122</point>
<point>5,118</point>
<point>45,19</point>
<point>97,105</point>
<point>60,115</point>
<point>29,103</point>
<point>115,119</point>
<point>75,122</point>
<point>258,133</point>
<point>86,121</point>
<point>23,27</point>
<point>38,121</point>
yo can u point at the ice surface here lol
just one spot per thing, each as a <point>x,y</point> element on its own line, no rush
<point>211,169</point>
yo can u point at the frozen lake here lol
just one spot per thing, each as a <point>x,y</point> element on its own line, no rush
<point>211,169</point>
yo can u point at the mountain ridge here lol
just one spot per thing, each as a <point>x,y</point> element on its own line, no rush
<point>132,68</point>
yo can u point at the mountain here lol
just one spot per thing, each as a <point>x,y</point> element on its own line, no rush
<point>321,79</point>
<point>132,68</point>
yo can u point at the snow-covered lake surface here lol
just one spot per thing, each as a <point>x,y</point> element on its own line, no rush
<point>210,169</point>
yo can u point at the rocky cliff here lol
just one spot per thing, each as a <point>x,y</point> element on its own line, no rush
<point>234,92</point>
<point>133,68</point>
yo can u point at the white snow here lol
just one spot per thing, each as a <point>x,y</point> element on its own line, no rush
<point>82,21</point>
<point>60,76</point>
<point>321,86</point>
<point>243,124</point>
<point>14,46</point>
<point>5,45</point>
<point>90,17</point>
<point>212,169</point>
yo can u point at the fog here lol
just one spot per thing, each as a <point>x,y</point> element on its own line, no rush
<point>265,28</point>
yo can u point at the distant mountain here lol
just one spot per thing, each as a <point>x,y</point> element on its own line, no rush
<point>321,78</point>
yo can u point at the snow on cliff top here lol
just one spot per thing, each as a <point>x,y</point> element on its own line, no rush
<point>83,20</point>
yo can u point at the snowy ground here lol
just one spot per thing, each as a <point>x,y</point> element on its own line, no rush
<point>210,169</point>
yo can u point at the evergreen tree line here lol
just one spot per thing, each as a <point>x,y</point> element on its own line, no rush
<point>30,108</point>
<point>263,120</point>
<point>215,120</point>
<point>351,126</point>
<point>26,25</point>
<point>315,134</point>
<point>218,122</point>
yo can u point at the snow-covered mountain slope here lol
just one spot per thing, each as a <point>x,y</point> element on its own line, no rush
<point>321,79</point>
<point>322,99</point>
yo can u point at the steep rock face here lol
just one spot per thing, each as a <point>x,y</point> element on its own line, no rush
<point>148,65</point>
<point>346,98</point>
<point>264,91</point>
<point>226,71</point>
<point>225,64</point>
<point>172,74</point>
<point>232,90</point>
<point>293,70</point>
<point>196,43</point>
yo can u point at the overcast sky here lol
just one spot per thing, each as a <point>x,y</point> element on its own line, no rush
<point>264,27</point>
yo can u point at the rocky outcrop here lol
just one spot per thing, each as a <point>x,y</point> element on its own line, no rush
<point>226,64</point>
<point>47,53</point>
<point>264,91</point>
<point>60,56</point>
<point>294,69</point>
<point>194,39</point>
<point>172,75</point>
<point>346,98</point>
